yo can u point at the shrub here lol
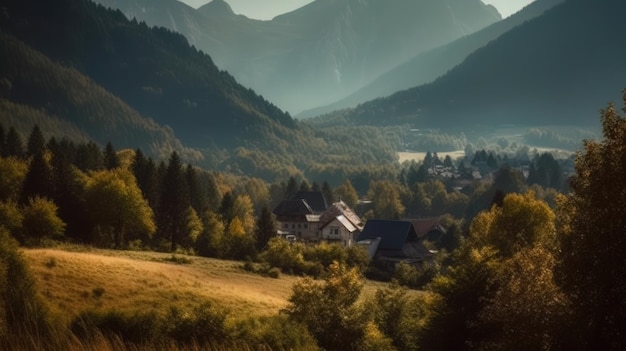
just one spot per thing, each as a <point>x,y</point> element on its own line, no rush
<point>275,332</point>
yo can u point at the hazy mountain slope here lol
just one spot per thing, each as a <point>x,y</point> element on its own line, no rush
<point>65,103</point>
<point>154,70</point>
<point>322,51</point>
<point>430,65</point>
<point>559,68</point>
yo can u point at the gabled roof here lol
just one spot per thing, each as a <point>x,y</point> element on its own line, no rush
<point>315,199</point>
<point>392,234</point>
<point>293,208</point>
<point>340,209</point>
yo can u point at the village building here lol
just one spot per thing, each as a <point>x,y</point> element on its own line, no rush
<point>307,217</point>
<point>390,242</point>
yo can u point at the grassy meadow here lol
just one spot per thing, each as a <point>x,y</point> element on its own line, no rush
<point>72,282</point>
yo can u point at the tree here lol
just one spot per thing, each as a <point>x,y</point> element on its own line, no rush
<point>117,207</point>
<point>41,220</point>
<point>173,203</point>
<point>38,180</point>
<point>14,145</point>
<point>12,174</point>
<point>89,157</point>
<point>145,172</point>
<point>36,142</point>
<point>495,273</point>
<point>593,238</point>
<point>329,310</point>
<point>111,160</point>
<point>291,188</point>
<point>386,199</point>
<point>327,191</point>
<point>346,193</point>
<point>265,229</point>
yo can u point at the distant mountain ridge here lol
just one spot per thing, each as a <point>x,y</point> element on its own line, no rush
<point>556,69</point>
<point>428,66</point>
<point>320,52</point>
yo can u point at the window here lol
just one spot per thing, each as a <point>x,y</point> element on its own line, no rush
<point>334,230</point>
<point>306,226</point>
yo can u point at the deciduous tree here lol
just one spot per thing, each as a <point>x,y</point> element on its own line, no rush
<point>593,240</point>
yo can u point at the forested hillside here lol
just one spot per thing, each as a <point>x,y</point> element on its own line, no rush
<point>553,70</point>
<point>102,77</point>
<point>67,104</point>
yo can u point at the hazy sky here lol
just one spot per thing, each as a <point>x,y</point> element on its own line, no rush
<point>267,9</point>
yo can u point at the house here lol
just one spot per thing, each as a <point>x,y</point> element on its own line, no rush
<point>391,242</point>
<point>340,224</point>
<point>307,217</point>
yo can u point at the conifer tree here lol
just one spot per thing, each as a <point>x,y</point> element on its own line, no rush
<point>111,160</point>
<point>38,181</point>
<point>14,145</point>
<point>174,202</point>
<point>265,228</point>
<point>36,142</point>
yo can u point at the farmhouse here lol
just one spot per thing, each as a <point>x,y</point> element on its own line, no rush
<point>307,218</point>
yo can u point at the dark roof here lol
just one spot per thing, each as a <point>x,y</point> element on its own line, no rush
<point>292,208</point>
<point>393,234</point>
<point>315,199</point>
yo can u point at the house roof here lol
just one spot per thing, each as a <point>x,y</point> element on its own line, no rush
<point>315,199</point>
<point>341,209</point>
<point>424,226</point>
<point>393,234</point>
<point>293,208</point>
<point>346,223</point>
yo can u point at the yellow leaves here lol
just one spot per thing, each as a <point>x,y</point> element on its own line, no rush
<point>522,221</point>
<point>12,174</point>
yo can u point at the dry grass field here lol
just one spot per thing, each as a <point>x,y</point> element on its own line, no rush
<point>72,282</point>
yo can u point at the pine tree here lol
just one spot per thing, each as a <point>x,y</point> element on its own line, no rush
<point>14,145</point>
<point>38,181</point>
<point>111,160</point>
<point>36,142</point>
<point>265,228</point>
<point>173,203</point>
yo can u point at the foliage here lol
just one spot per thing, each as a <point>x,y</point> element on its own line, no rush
<point>495,273</point>
<point>329,310</point>
<point>22,313</point>
<point>593,237</point>
<point>12,174</point>
<point>126,215</point>
<point>41,220</point>
<point>386,198</point>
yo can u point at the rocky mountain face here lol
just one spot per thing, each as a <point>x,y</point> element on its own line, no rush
<point>321,52</point>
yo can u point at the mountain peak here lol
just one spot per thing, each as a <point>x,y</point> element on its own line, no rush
<point>217,7</point>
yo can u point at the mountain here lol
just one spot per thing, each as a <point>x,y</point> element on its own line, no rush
<point>81,71</point>
<point>322,51</point>
<point>153,70</point>
<point>66,104</point>
<point>428,66</point>
<point>557,69</point>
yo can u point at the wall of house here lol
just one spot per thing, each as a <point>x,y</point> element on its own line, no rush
<point>336,232</point>
<point>304,231</point>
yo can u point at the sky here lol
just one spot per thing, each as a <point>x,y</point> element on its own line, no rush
<point>268,9</point>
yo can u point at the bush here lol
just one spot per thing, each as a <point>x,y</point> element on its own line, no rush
<point>275,332</point>
<point>273,272</point>
<point>130,327</point>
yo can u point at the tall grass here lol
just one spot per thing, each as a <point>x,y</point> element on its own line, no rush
<point>26,324</point>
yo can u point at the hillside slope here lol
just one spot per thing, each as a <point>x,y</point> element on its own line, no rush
<point>557,69</point>
<point>153,70</point>
<point>66,104</point>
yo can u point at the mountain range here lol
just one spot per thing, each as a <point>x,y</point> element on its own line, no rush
<point>559,68</point>
<point>430,65</point>
<point>321,52</point>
